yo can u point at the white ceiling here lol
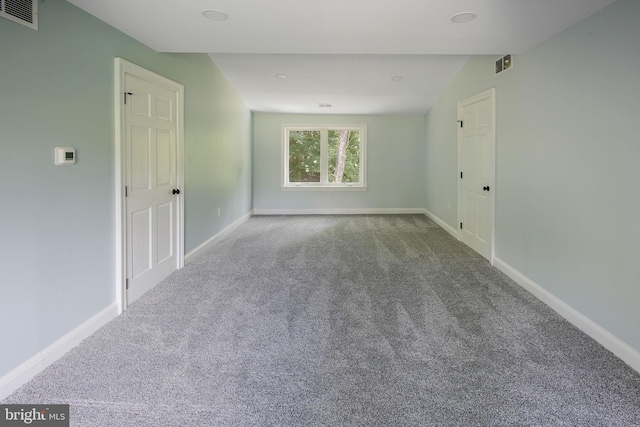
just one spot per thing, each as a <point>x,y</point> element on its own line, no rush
<point>341,52</point>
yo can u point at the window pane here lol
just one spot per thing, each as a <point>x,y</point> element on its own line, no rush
<point>304,156</point>
<point>344,156</point>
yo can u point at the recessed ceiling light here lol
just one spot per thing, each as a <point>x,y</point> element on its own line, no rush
<point>397,78</point>
<point>216,15</point>
<point>281,76</point>
<point>463,17</point>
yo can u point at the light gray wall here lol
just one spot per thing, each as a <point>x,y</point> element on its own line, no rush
<point>57,236</point>
<point>567,164</point>
<point>395,147</point>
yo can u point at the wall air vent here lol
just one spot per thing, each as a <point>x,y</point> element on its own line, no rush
<point>23,12</point>
<point>504,63</point>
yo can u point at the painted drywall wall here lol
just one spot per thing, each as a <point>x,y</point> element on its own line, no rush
<point>57,223</point>
<point>566,173</point>
<point>394,164</point>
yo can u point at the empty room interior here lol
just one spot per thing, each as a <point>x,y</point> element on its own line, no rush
<point>321,212</point>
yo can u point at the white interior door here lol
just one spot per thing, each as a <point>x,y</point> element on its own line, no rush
<point>152,178</point>
<point>476,160</point>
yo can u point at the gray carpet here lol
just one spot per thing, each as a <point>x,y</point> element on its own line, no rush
<point>339,321</point>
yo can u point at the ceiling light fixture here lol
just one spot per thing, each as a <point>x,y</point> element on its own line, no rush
<point>216,15</point>
<point>281,76</point>
<point>463,17</point>
<point>397,78</point>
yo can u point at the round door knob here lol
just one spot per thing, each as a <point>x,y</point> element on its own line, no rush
<point>486,188</point>
<point>176,191</point>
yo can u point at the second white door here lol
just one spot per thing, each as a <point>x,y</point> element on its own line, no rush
<point>476,160</point>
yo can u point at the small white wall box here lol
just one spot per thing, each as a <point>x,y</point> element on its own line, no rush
<point>65,155</point>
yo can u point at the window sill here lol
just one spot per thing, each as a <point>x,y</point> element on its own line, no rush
<point>323,188</point>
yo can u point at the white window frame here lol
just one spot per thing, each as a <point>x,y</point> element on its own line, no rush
<point>324,185</point>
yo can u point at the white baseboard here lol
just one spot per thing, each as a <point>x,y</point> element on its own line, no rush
<point>625,352</point>
<point>340,211</point>
<point>225,231</point>
<point>612,343</point>
<point>17,377</point>
<point>442,224</point>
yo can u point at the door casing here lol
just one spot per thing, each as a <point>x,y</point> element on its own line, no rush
<point>122,68</point>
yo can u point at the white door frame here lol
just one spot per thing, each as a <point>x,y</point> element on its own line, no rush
<point>123,68</point>
<point>491,94</point>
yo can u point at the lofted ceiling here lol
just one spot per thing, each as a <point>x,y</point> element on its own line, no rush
<point>358,56</point>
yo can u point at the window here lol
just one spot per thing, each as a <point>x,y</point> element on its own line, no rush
<point>327,157</point>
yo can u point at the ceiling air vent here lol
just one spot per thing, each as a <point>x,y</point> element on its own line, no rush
<point>24,12</point>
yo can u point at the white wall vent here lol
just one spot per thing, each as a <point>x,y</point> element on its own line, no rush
<point>24,12</point>
<point>504,64</point>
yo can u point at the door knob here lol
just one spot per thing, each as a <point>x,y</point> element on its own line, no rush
<point>176,191</point>
<point>486,188</point>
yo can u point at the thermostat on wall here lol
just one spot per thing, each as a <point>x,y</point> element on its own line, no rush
<point>65,155</point>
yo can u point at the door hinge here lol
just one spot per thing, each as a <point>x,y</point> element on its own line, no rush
<point>460,175</point>
<point>460,226</point>
<point>125,96</point>
<point>127,283</point>
<point>461,123</point>
<point>126,191</point>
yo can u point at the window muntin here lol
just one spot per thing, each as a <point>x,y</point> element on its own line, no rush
<point>324,157</point>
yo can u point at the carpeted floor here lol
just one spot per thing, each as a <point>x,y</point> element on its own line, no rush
<point>339,321</point>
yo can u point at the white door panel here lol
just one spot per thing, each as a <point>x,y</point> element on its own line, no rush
<point>141,103</point>
<point>139,154</point>
<point>164,109</point>
<point>165,153</point>
<point>141,223</point>
<point>476,160</point>
<point>469,220</point>
<point>166,231</point>
<point>482,216</point>
<point>481,165</point>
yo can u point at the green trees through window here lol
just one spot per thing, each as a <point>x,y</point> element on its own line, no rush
<point>304,156</point>
<point>324,156</point>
